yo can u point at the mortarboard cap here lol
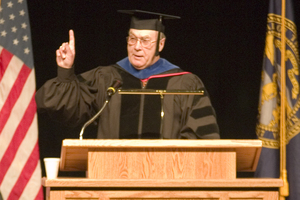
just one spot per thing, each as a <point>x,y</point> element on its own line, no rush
<point>147,20</point>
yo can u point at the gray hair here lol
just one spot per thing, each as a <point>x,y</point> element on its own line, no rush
<point>162,35</point>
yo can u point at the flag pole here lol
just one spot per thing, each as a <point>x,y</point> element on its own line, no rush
<point>284,190</point>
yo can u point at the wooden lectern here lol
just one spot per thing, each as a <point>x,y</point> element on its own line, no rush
<point>161,169</point>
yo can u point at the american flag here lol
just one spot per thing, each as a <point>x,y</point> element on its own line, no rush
<point>20,170</point>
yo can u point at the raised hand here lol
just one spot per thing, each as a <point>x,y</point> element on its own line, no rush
<point>65,55</point>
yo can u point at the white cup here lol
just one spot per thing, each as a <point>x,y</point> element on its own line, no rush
<point>51,165</point>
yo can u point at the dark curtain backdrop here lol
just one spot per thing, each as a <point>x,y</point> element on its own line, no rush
<point>222,41</point>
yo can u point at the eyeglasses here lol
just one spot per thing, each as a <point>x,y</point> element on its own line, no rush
<point>131,40</point>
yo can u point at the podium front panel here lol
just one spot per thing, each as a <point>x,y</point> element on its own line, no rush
<point>162,163</point>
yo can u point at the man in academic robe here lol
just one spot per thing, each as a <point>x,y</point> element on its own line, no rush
<point>74,99</point>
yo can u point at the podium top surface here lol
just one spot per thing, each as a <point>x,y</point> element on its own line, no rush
<point>74,152</point>
<point>160,143</point>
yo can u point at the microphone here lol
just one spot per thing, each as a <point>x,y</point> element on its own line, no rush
<point>110,91</point>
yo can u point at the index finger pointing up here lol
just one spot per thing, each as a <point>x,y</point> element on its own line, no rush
<point>71,40</point>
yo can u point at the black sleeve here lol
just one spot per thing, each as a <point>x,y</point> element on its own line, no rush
<point>198,113</point>
<point>72,99</point>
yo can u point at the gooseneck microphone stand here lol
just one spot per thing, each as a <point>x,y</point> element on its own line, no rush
<point>110,91</point>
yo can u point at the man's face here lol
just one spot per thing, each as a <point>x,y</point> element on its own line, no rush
<point>139,56</point>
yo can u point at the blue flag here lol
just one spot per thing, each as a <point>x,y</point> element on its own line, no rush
<point>268,127</point>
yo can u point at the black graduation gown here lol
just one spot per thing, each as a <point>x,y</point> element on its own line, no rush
<point>75,99</point>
